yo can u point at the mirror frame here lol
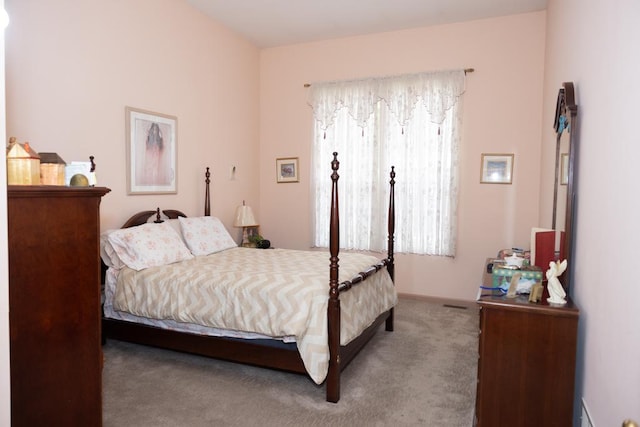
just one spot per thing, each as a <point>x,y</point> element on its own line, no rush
<point>566,120</point>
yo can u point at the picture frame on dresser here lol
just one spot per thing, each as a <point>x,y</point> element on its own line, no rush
<point>151,152</point>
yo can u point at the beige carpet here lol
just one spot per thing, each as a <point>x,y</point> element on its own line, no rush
<point>423,373</point>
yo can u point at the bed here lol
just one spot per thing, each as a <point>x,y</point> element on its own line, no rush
<point>274,308</point>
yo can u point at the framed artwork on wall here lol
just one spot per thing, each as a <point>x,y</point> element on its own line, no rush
<point>151,152</point>
<point>496,168</point>
<point>287,169</point>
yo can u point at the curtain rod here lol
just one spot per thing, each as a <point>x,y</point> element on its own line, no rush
<point>466,71</point>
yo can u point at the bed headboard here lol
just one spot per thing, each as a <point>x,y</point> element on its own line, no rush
<point>143,217</point>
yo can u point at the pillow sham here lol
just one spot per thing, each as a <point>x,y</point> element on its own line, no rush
<point>175,224</point>
<point>148,245</point>
<point>108,255</point>
<point>205,235</point>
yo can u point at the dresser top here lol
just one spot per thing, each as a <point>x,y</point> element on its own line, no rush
<point>521,302</point>
<point>24,191</point>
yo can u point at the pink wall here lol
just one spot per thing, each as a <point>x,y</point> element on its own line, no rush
<point>592,45</point>
<point>502,114</point>
<point>72,67</point>
<point>5,382</point>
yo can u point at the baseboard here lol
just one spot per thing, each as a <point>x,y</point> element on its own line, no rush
<point>443,301</point>
<point>585,417</point>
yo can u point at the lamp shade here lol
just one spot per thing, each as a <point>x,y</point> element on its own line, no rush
<point>244,217</point>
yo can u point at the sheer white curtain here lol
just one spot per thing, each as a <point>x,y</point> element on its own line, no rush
<point>411,122</point>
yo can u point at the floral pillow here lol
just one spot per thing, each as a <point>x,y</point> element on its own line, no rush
<point>175,224</point>
<point>205,235</point>
<point>148,245</point>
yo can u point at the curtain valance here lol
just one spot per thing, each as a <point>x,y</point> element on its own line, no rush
<point>438,91</point>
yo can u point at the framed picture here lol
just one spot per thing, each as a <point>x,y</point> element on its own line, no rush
<point>287,169</point>
<point>151,152</point>
<point>496,168</point>
<point>564,169</point>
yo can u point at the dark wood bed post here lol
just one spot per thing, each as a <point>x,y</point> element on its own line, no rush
<point>333,310</point>
<point>391,227</point>
<point>207,198</point>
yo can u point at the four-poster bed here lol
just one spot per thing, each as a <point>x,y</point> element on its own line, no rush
<point>346,314</point>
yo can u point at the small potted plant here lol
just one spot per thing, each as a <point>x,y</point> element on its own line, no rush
<point>257,241</point>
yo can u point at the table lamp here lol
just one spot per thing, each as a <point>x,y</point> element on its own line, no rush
<point>245,219</point>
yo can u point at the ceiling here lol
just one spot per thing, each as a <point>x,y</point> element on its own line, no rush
<point>270,23</point>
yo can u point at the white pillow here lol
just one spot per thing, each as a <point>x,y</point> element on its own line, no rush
<point>108,254</point>
<point>148,245</point>
<point>205,235</point>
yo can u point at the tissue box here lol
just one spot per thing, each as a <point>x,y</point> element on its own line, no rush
<point>502,276</point>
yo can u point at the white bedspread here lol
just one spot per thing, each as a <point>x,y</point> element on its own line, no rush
<point>277,293</point>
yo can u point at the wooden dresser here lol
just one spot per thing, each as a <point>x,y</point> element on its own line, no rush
<point>54,305</point>
<point>526,369</point>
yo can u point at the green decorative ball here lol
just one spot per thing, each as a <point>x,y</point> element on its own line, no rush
<point>79,180</point>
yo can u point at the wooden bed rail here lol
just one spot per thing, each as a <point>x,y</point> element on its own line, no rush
<point>360,277</point>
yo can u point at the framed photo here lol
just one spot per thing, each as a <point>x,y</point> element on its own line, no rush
<point>151,152</point>
<point>287,169</point>
<point>564,169</point>
<point>496,169</point>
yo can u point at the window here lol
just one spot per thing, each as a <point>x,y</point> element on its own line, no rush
<point>410,122</point>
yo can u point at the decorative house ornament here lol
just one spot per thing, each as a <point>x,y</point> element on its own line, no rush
<point>51,169</point>
<point>23,164</point>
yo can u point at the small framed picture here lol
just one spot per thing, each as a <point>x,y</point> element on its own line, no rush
<point>287,169</point>
<point>496,168</point>
<point>151,152</point>
<point>564,169</point>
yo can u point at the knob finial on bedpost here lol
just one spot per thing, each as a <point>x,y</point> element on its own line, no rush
<point>207,197</point>
<point>335,165</point>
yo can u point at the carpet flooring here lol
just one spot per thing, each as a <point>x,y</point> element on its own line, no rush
<point>422,374</point>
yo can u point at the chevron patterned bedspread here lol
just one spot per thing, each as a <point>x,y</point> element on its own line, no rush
<point>277,292</point>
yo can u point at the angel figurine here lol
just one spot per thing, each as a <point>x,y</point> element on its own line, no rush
<point>556,291</point>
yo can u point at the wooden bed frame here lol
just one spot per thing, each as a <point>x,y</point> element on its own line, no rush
<point>266,353</point>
